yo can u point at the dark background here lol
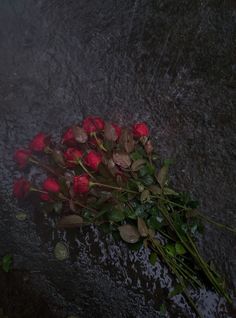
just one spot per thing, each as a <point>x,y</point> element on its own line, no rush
<point>170,63</point>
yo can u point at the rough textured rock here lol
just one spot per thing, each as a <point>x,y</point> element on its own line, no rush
<point>169,63</point>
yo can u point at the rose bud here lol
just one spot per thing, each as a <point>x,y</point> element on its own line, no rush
<point>81,184</point>
<point>45,197</point>
<point>148,147</point>
<point>93,124</point>
<point>93,160</point>
<point>51,185</point>
<point>68,137</point>
<point>21,188</point>
<point>39,142</point>
<point>140,130</point>
<point>117,130</point>
<point>72,156</point>
<point>21,157</point>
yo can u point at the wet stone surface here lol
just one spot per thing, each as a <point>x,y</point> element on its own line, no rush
<point>169,63</point>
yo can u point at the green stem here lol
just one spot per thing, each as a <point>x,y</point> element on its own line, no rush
<point>85,169</point>
<point>37,190</point>
<point>216,223</point>
<point>39,163</point>
<point>112,187</point>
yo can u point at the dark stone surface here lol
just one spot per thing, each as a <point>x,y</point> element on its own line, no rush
<point>171,63</point>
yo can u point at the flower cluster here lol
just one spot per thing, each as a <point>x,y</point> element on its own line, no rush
<point>83,149</point>
<point>108,175</point>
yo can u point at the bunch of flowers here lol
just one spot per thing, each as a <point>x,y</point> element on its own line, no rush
<point>103,174</point>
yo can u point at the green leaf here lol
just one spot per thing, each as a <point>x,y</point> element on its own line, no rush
<point>148,180</point>
<point>170,249</point>
<point>145,196</point>
<point>116,215</point>
<point>143,171</point>
<point>163,310</point>
<point>136,155</point>
<point>179,248</point>
<point>162,175</point>
<point>154,223</point>
<point>21,216</point>
<point>176,291</point>
<point>169,191</point>
<point>7,262</point>
<point>153,258</point>
<point>140,211</point>
<point>57,207</point>
<point>61,251</point>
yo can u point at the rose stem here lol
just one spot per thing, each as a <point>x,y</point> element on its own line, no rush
<point>98,143</point>
<point>35,161</point>
<point>85,169</point>
<point>37,190</point>
<point>112,187</point>
<point>200,215</point>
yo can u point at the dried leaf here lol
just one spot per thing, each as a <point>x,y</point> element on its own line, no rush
<point>58,157</point>
<point>142,227</point>
<point>127,140</point>
<point>122,159</point>
<point>151,233</point>
<point>148,147</point>
<point>129,233</point>
<point>80,135</point>
<point>70,221</point>
<point>169,191</point>
<point>145,196</point>
<point>137,164</point>
<point>109,132</point>
<point>61,251</point>
<point>162,175</point>
<point>21,216</point>
<point>155,189</point>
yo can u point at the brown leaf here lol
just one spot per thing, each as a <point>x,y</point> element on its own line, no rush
<point>70,221</point>
<point>148,147</point>
<point>80,135</point>
<point>127,140</point>
<point>155,189</point>
<point>162,175</point>
<point>136,165</point>
<point>122,159</point>
<point>142,227</point>
<point>145,196</point>
<point>109,132</point>
<point>129,233</point>
<point>58,157</point>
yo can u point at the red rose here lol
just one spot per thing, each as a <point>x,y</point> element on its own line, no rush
<point>51,185</point>
<point>81,183</point>
<point>92,124</point>
<point>117,130</point>
<point>72,155</point>
<point>21,188</point>
<point>140,130</point>
<point>68,137</point>
<point>21,157</point>
<point>93,160</point>
<point>45,197</point>
<point>39,143</point>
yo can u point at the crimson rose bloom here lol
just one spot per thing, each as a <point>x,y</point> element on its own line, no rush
<point>93,160</point>
<point>21,188</point>
<point>21,157</point>
<point>72,155</point>
<point>140,130</point>
<point>92,124</point>
<point>81,183</point>
<point>117,130</point>
<point>39,143</point>
<point>51,185</point>
<point>45,197</point>
<point>68,137</point>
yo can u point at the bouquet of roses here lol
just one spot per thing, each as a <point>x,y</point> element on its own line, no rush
<point>110,176</point>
